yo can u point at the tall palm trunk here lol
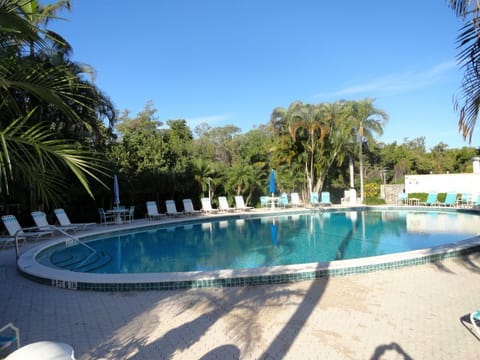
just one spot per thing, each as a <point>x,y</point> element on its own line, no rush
<point>360,160</point>
<point>312,161</point>
<point>351,171</point>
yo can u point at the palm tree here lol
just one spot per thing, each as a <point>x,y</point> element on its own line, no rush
<point>469,58</point>
<point>245,179</point>
<point>31,86</point>
<point>315,134</point>
<point>39,16</point>
<point>30,154</point>
<point>205,175</point>
<point>314,121</point>
<point>366,120</point>
<point>342,138</point>
<point>309,124</point>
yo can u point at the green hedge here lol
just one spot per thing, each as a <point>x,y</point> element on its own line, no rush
<point>374,201</point>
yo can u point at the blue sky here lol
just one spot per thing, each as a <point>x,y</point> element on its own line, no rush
<point>232,62</point>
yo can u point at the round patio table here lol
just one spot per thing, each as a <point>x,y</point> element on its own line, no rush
<point>45,350</point>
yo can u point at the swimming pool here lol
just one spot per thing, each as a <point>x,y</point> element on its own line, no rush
<point>264,248</point>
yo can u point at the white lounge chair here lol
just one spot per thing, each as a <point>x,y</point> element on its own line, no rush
<point>240,204</point>
<point>223,204</point>
<point>295,200</point>
<point>207,206</point>
<point>64,220</point>
<point>152,211</point>
<point>40,219</point>
<point>7,240</point>
<point>188,207</point>
<point>14,228</point>
<point>172,208</point>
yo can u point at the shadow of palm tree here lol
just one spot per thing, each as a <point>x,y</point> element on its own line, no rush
<point>471,261</point>
<point>441,266</point>
<point>240,305</point>
<point>222,352</point>
<point>382,350</point>
<point>243,305</point>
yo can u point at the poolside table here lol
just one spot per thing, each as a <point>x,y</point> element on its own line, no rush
<point>413,201</point>
<point>273,200</point>
<point>45,350</point>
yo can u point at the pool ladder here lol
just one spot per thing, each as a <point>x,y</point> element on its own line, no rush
<point>71,239</point>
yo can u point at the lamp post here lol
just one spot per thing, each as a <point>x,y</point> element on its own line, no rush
<point>209,179</point>
<point>384,176</point>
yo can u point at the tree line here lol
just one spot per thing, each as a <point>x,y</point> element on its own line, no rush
<point>312,147</point>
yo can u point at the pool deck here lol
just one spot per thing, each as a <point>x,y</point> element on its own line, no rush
<point>415,312</point>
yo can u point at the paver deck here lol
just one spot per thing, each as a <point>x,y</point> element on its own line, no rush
<point>410,313</point>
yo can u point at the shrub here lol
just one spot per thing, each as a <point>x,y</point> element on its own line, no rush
<point>374,201</point>
<point>371,190</point>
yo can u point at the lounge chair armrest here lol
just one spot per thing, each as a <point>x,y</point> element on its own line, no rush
<point>15,330</point>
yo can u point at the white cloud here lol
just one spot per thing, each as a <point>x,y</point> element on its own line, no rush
<point>395,83</point>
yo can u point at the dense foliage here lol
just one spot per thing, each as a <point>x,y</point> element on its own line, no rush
<point>167,161</point>
<point>50,115</point>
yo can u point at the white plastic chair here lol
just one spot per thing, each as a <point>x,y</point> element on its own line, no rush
<point>106,218</point>
<point>223,204</point>
<point>129,216</point>
<point>64,220</point>
<point>172,208</point>
<point>152,211</point>
<point>40,219</point>
<point>14,228</point>
<point>207,206</point>
<point>240,204</point>
<point>188,207</point>
<point>295,200</point>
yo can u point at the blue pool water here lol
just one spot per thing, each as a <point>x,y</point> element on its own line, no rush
<point>253,242</point>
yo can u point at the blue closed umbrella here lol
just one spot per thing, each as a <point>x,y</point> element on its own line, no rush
<point>272,182</point>
<point>274,235</point>
<point>116,191</point>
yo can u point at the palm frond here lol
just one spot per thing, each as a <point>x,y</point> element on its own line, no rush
<point>30,154</point>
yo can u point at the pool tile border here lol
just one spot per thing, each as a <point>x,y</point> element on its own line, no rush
<point>30,269</point>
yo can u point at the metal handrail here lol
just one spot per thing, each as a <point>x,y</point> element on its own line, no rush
<point>52,227</point>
